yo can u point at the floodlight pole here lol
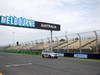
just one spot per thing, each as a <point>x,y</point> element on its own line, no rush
<point>51,48</point>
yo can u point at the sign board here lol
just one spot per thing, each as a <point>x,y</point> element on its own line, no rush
<point>47,26</point>
<point>60,54</point>
<point>81,55</point>
<point>28,23</point>
<point>18,22</point>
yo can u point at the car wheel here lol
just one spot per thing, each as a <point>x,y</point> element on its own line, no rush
<point>56,57</point>
<point>42,56</point>
<point>49,56</point>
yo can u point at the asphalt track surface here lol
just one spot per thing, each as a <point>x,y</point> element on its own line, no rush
<point>17,64</point>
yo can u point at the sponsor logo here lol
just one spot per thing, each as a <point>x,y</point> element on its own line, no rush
<point>15,21</point>
<point>80,55</point>
<point>48,26</point>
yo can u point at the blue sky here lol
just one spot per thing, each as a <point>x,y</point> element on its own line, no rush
<point>73,16</point>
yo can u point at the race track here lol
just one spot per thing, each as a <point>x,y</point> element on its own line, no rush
<point>17,64</point>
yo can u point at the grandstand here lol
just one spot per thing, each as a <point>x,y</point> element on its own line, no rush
<point>87,42</point>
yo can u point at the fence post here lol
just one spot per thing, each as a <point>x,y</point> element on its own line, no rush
<point>42,42</point>
<point>79,42</point>
<point>36,43</point>
<point>51,39</point>
<point>96,36</point>
<point>67,42</point>
<point>57,43</point>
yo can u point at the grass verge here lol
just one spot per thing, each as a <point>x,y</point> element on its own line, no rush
<point>81,59</point>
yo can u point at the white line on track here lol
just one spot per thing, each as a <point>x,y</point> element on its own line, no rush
<point>16,65</point>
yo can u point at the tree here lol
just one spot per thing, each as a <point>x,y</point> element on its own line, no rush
<point>62,40</point>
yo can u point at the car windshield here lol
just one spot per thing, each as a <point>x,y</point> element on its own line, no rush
<point>49,51</point>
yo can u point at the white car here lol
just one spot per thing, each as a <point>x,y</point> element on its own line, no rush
<point>49,54</point>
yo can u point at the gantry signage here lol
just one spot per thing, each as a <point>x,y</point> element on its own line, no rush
<point>47,26</point>
<point>27,23</point>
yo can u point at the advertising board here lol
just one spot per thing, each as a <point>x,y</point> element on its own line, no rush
<point>18,22</point>
<point>47,26</point>
<point>81,55</point>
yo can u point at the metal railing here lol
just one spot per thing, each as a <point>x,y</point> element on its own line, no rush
<point>78,42</point>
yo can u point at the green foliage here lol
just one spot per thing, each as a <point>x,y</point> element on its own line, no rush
<point>62,40</point>
<point>29,52</point>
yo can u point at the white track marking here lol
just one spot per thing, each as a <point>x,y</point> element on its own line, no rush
<point>16,65</point>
